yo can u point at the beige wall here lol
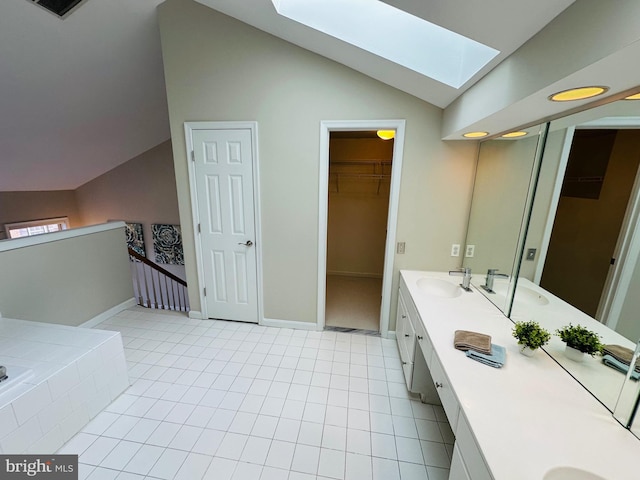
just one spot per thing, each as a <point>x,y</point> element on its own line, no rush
<point>68,281</point>
<point>142,190</point>
<point>217,68</point>
<point>358,206</point>
<point>27,206</point>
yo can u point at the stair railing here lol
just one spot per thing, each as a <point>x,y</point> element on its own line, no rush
<point>155,287</point>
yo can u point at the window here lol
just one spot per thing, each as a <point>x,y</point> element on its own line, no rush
<point>395,35</point>
<point>61,8</point>
<point>36,227</point>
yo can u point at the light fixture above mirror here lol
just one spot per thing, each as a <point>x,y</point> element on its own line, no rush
<point>475,134</point>
<point>579,93</point>
<point>517,134</point>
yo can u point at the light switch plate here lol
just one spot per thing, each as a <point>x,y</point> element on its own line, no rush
<point>531,254</point>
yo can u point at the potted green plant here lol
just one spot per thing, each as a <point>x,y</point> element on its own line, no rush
<point>579,340</point>
<point>531,336</point>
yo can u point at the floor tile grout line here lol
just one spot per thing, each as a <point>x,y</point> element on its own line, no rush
<point>331,347</point>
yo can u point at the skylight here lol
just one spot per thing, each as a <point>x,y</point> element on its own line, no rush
<point>393,34</point>
<point>61,8</point>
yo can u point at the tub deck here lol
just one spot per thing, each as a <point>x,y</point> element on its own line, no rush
<point>72,374</point>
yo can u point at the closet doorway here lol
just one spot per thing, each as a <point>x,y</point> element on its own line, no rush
<point>360,165</point>
<point>326,129</point>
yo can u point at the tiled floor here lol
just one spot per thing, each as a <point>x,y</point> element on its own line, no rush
<point>233,401</point>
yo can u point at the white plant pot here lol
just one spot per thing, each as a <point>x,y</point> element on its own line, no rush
<point>526,351</point>
<point>573,354</point>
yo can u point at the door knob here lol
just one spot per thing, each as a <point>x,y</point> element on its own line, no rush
<point>248,243</point>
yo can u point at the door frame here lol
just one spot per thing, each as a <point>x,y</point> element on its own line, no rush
<point>252,126</point>
<point>326,127</point>
<point>627,250</point>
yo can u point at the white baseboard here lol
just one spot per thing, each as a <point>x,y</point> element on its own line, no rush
<point>109,313</point>
<point>391,334</point>
<point>271,322</point>
<point>195,314</point>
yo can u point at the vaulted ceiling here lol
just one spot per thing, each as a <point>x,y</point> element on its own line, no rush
<point>82,95</point>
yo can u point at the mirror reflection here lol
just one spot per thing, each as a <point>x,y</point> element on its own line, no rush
<point>627,410</point>
<point>503,182</point>
<point>582,230</point>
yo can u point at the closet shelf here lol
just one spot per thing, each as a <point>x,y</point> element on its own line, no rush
<point>378,177</point>
<point>359,162</point>
<point>361,175</point>
<point>351,170</point>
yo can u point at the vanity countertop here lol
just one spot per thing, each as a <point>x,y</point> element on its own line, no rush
<point>604,382</point>
<point>529,416</point>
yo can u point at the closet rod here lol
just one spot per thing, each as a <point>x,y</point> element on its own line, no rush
<point>360,162</point>
<point>361,175</point>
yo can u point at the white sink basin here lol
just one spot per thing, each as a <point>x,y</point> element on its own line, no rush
<point>437,287</point>
<point>570,473</point>
<point>524,295</point>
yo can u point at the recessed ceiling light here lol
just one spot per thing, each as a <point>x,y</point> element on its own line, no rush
<point>635,96</point>
<point>386,134</point>
<point>578,93</point>
<point>475,134</point>
<point>514,134</point>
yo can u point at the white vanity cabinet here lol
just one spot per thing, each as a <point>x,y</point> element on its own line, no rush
<point>415,349</point>
<point>494,440</point>
<point>445,392</point>
<point>458,469</point>
<point>424,374</point>
<point>470,464</point>
<point>406,337</point>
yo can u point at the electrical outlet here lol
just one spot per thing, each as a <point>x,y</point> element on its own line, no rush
<point>400,248</point>
<point>470,251</point>
<point>455,250</point>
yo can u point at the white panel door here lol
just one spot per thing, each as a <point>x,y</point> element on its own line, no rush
<point>224,190</point>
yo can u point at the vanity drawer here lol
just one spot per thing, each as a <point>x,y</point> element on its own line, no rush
<point>424,342</point>
<point>447,397</point>
<point>473,460</point>
<point>414,318</point>
<point>407,370</point>
<point>405,333</point>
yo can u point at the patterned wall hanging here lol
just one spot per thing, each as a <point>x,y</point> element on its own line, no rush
<point>167,244</point>
<point>135,238</point>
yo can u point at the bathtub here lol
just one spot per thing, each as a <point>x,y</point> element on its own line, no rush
<point>59,378</point>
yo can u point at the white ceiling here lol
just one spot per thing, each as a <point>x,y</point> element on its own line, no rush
<point>80,96</point>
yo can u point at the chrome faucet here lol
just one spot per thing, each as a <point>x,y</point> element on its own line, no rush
<point>491,276</point>
<point>465,273</point>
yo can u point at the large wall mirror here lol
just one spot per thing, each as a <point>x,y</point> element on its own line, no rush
<point>558,210</point>
<point>583,229</point>
<point>502,195</point>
